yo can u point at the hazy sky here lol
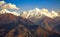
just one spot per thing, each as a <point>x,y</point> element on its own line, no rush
<point>31,4</point>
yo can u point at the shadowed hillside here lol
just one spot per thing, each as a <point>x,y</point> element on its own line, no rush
<point>16,26</point>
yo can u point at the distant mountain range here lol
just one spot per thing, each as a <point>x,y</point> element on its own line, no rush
<point>17,26</point>
<point>43,16</point>
<point>38,13</point>
<point>32,23</point>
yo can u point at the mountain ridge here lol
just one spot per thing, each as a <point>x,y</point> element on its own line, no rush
<point>21,26</point>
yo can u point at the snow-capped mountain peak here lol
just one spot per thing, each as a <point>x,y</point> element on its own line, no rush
<point>54,13</point>
<point>40,12</point>
<point>33,13</point>
<point>37,9</point>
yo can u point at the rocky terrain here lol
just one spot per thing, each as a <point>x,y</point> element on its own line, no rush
<point>17,26</point>
<point>33,23</point>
